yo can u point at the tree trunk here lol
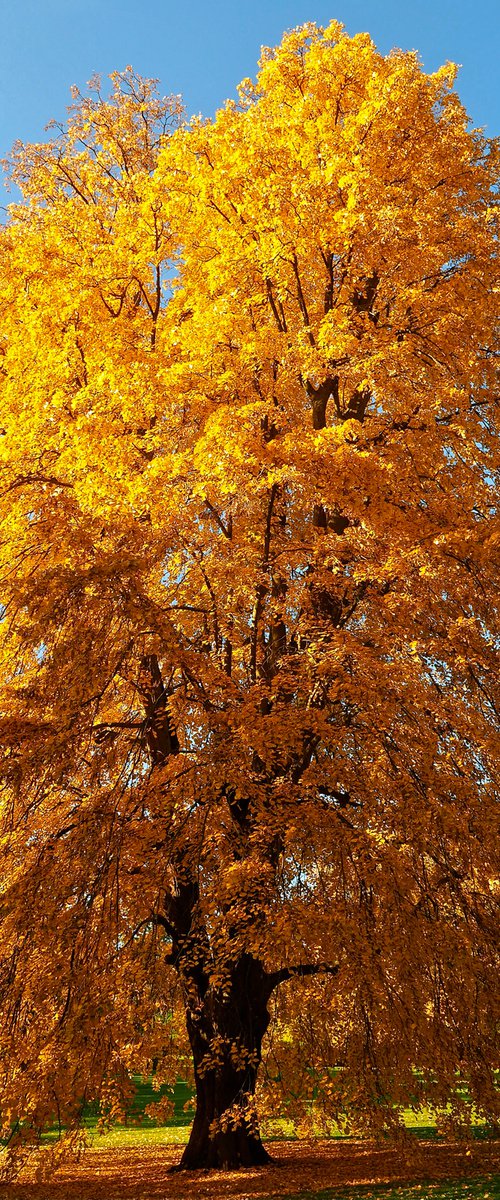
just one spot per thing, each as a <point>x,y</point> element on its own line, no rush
<point>225,1028</point>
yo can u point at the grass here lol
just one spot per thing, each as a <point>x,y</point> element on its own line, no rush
<point>472,1189</point>
<point>125,1137</point>
<point>145,1094</point>
<point>140,1131</point>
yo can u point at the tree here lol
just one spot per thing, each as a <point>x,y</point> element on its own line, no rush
<point>250,631</point>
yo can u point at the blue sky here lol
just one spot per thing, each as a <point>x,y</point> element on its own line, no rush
<point>203,49</point>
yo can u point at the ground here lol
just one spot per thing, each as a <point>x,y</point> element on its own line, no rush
<point>352,1169</point>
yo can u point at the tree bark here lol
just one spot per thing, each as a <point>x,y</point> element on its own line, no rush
<point>226,1027</point>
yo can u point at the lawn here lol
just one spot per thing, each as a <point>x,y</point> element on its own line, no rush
<point>477,1189</point>
<point>140,1131</point>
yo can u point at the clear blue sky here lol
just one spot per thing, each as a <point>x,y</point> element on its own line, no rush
<point>203,49</point>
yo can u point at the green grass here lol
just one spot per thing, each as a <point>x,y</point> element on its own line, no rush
<point>123,1137</point>
<point>139,1130</point>
<point>145,1094</point>
<point>475,1189</point>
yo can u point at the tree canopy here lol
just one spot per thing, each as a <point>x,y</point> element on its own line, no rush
<point>249,648</point>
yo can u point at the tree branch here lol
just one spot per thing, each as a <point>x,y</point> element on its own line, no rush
<point>280,322</point>
<point>274,978</point>
<point>262,588</point>
<point>226,529</point>
<point>301,300</point>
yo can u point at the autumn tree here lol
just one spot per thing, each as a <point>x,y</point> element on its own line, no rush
<point>249,647</point>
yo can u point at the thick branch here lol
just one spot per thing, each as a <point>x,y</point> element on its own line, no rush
<point>161,736</point>
<point>328,300</point>
<point>274,978</point>
<point>319,397</point>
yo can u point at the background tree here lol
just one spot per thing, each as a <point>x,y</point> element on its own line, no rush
<point>250,634</point>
